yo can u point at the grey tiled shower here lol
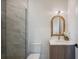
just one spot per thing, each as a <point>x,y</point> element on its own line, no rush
<point>13,29</point>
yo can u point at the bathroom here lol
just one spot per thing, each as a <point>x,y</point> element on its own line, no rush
<point>26,26</point>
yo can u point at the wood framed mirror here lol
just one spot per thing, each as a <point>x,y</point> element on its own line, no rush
<point>57,26</point>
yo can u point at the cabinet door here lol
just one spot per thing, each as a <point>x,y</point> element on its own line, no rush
<point>57,52</point>
<point>62,52</point>
<point>70,52</point>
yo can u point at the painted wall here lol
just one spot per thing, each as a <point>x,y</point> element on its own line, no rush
<point>73,21</point>
<point>39,17</point>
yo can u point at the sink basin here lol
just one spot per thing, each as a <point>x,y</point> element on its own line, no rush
<point>55,41</point>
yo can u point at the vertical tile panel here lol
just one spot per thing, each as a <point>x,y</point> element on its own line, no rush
<point>3,28</point>
<point>15,29</point>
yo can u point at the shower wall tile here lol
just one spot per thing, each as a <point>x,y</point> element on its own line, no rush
<point>3,49</point>
<point>15,28</point>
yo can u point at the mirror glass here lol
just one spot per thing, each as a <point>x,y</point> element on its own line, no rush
<point>57,25</point>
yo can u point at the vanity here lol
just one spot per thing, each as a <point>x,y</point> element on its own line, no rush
<point>61,46</point>
<point>61,50</point>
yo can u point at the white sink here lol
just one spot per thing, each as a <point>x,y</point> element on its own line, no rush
<point>55,41</point>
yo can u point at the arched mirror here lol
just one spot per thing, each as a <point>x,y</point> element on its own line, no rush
<point>57,26</point>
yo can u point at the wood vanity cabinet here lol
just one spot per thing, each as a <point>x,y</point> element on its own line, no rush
<point>62,52</point>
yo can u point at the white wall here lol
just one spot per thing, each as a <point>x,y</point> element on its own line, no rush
<point>39,17</point>
<point>73,19</point>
